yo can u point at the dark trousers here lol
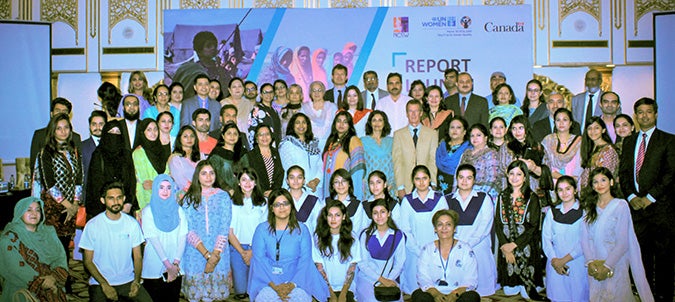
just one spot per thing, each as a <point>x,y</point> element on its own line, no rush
<point>96,294</point>
<point>657,246</point>
<point>468,296</point>
<point>162,291</point>
<point>350,296</point>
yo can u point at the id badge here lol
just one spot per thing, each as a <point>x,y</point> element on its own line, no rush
<point>277,270</point>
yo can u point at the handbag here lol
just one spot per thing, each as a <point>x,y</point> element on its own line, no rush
<point>387,293</point>
<point>81,218</point>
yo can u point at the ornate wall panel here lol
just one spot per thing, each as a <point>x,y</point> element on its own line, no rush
<point>643,7</point>
<point>591,7</point>
<point>65,11</point>
<point>426,3</point>
<point>119,10</point>
<point>352,3</point>
<point>199,4</point>
<point>273,3</point>
<point>5,9</point>
<point>503,2</point>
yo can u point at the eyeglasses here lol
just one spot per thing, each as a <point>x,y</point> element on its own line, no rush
<point>371,80</point>
<point>251,89</point>
<point>268,91</point>
<point>317,90</point>
<point>162,93</point>
<point>284,204</point>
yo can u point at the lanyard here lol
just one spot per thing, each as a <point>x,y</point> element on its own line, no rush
<point>440,256</point>
<point>279,239</point>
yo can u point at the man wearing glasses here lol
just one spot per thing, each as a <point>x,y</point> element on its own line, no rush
<point>372,93</point>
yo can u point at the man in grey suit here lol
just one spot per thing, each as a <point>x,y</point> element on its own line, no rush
<point>472,107</point>
<point>200,100</point>
<point>587,103</point>
<point>372,93</point>
<point>544,127</point>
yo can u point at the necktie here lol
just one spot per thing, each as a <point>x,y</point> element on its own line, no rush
<point>589,109</point>
<point>372,106</point>
<point>339,99</point>
<point>463,108</point>
<point>415,137</point>
<point>640,156</point>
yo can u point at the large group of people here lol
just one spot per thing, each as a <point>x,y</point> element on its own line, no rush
<point>350,195</point>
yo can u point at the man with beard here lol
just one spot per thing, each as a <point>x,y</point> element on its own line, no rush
<point>131,114</point>
<point>610,104</point>
<point>110,163</point>
<point>112,251</point>
<point>96,123</point>
<point>394,104</point>
<point>587,103</point>
<point>201,119</point>
<point>450,82</point>
<point>250,92</point>
<point>58,105</point>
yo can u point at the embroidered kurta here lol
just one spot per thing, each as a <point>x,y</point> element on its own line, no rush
<point>354,162</point>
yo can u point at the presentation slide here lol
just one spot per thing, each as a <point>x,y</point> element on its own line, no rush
<point>24,82</point>
<point>303,45</point>
<point>664,47</point>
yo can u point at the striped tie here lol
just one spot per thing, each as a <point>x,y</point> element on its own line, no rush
<point>640,156</point>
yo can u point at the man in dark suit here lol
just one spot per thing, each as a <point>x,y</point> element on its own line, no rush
<point>200,100</point>
<point>544,127</point>
<point>128,126</point>
<point>339,79</point>
<point>372,93</point>
<point>587,103</point>
<point>96,123</point>
<point>57,106</point>
<point>473,108</point>
<point>646,173</point>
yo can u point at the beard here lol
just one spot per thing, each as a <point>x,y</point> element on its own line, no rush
<point>114,209</point>
<point>132,117</point>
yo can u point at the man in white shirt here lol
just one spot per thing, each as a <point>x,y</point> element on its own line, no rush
<point>394,105</point>
<point>112,251</point>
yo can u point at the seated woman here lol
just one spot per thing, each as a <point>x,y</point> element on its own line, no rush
<point>226,155</point>
<point>31,256</point>
<point>336,251</point>
<point>165,228</point>
<point>450,151</point>
<point>609,243</point>
<point>185,156</point>
<point>453,279</point>
<point>282,267</point>
<point>377,184</point>
<point>249,208</point>
<point>562,147</point>
<point>474,227</point>
<point>342,190</point>
<point>566,278</point>
<point>306,203</point>
<point>382,253</point>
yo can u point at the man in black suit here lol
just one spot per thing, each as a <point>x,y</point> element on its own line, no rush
<point>473,108</point>
<point>129,125</point>
<point>646,172</point>
<point>339,79</point>
<point>57,106</point>
<point>96,123</point>
<point>544,127</point>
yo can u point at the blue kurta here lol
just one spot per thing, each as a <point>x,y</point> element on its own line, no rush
<point>295,262</point>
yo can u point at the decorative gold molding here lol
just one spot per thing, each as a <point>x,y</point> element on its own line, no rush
<point>420,3</point>
<point>642,7</point>
<point>549,85</point>
<point>616,8</point>
<point>65,11</point>
<point>591,7</point>
<point>540,12</point>
<point>273,3</point>
<point>503,2</point>
<point>25,10</point>
<point>5,9</point>
<point>356,3</point>
<point>236,3</point>
<point>464,2</point>
<point>136,10</point>
<point>199,4</point>
<point>579,43</point>
<point>92,17</point>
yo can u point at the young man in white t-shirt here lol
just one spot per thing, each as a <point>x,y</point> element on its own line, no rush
<point>108,240</point>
